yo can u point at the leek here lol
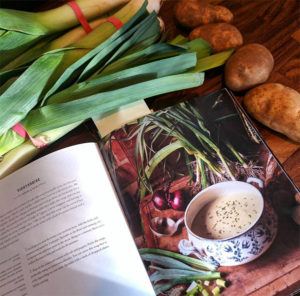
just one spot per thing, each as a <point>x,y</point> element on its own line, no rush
<point>97,75</point>
<point>18,157</point>
<point>175,269</point>
<point>213,61</point>
<point>149,26</point>
<point>153,52</point>
<point>44,72</point>
<point>196,263</point>
<point>19,98</point>
<point>102,83</point>
<point>200,46</point>
<point>21,29</point>
<point>221,283</point>
<point>48,44</point>
<point>57,115</point>
<point>108,29</point>
<point>206,151</point>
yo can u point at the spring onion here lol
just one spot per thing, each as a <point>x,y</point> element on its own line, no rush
<point>196,263</point>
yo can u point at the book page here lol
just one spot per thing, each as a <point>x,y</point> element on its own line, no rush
<point>62,231</point>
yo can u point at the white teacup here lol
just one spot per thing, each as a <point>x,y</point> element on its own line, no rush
<point>240,248</point>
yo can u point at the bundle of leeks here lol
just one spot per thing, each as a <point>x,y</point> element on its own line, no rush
<point>22,39</point>
<point>72,84</point>
<point>20,30</point>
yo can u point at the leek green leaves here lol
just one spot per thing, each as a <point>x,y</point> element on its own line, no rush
<point>96,76</point>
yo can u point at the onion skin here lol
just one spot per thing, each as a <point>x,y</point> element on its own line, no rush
<point>159,200</point>
<point>177,200</point>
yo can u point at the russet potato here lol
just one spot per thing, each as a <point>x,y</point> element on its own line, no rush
<point>193,13</point>
<point>276,106</point>
<point>221,36</point>
<point>249,66</point>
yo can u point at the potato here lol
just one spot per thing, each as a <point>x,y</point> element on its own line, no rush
<point>250,65</point>
<point>221,36</point>
<point>193,13</point>
<point>276,106</point>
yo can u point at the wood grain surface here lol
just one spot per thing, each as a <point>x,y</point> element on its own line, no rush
<point>275,24</point>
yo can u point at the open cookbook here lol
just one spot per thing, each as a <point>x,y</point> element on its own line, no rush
<point>179,202</point>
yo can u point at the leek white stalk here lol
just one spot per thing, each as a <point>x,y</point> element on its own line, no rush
<point>62,18</point>
<point>22,154</point>
<point>74,35</point>
<point>17,158</point>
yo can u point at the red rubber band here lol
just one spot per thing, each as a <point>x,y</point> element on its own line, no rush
<point>115,21</point>
<point>22,132</point>
<point>80,17</point>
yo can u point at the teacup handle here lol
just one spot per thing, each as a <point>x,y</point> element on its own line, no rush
<point>257,181</point>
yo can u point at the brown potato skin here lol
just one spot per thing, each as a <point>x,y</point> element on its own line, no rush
<point>250,65</point>
<point>276,106</point>
<point>221,36</point>
<point>193,13</point>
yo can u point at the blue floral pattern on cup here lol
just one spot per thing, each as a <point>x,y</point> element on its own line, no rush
<point>248,246</point>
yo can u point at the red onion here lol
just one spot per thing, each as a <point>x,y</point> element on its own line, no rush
<point>177,201</point>
<point>160,200</point>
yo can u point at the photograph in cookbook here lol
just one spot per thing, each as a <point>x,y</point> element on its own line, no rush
<point>202,194</point>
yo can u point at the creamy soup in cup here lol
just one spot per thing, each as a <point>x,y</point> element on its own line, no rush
<point>219,219</point>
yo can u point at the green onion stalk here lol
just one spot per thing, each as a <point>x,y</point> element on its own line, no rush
<point>171,269</point>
